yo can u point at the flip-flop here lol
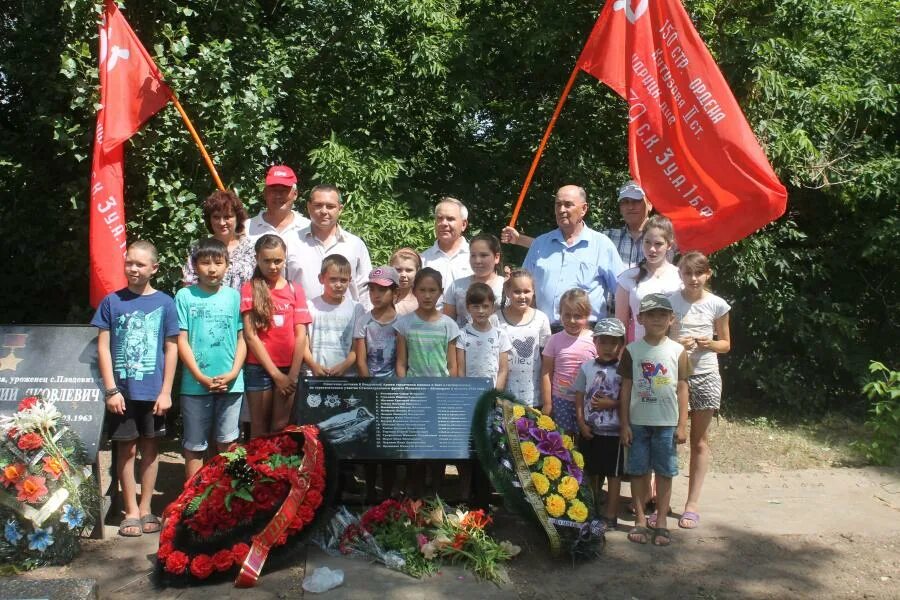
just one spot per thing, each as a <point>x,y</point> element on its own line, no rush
<point>150,523</point>
<point>689,517</point>
<point>641,531</point>
<point>131,523</point>
<point>662,532</point>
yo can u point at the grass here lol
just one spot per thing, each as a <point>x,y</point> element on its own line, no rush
<point>744,445</point>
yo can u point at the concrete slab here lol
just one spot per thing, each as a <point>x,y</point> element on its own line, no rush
<point>364,580</point>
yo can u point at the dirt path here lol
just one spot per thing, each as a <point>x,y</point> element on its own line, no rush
<point>808,533</point>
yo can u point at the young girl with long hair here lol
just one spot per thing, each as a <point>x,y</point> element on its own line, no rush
<point>653,275</point>
<point>528,330</point>
<point>702,327</point>
<point>484,256</point>
<point>275,316</point>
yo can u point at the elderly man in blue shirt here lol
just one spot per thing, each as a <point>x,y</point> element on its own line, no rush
<point>572,256</point>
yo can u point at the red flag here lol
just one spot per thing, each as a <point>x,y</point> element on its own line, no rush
<point>689,145</point>
<point>131,91</point>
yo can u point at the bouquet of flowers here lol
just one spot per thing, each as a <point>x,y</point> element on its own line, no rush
<point>416,537</point>
<point>241,504</point>
<point>538,471</point>
<point>47,497</point>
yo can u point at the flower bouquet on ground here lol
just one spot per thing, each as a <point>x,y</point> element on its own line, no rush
<point>416,537</point>
<point>47,498</point>
<point>538,472</point>
<point>242,504</point>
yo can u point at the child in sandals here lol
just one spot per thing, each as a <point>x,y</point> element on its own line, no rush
<point>653,412</point>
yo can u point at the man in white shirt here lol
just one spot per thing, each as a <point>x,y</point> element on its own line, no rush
<point>450,253</point>
<point>279,217</point>
<point>324,236</point>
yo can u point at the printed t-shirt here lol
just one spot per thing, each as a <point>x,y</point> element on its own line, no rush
<point>456,296</point>
<point>668,281</point>
<point>381,344</point>
<point>331,332</point>
<point>526,339</point>
<point>138,327</point>
<point>426,344</point>
<point>698,319</point>
<point>483,350</point>
<point>569,353</point>
<point>655,375</point>
<point>213,322</point>
<point>602,380</point>
<point>279,338</point>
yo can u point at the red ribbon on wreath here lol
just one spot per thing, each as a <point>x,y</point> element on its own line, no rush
<point>263,542</point>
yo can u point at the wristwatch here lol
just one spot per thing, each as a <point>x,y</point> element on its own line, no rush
<point>111,392</point>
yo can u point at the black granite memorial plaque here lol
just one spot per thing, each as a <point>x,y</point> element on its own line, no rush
<point>387,418</point>
<point>59,363</point>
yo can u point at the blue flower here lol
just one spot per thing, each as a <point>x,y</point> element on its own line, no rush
<point>72,516</point>
<point>11,532</point>
<point>41,539</point>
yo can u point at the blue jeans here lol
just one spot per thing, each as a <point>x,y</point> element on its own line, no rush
<point>210,413</point>
<point>257,379</point>
<point>652,448</point>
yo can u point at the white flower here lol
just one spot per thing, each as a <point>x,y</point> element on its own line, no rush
<point>510,548</point>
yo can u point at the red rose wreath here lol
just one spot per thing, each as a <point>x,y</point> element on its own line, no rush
<point>242,504</point>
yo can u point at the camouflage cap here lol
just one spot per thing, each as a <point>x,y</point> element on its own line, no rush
<point>654,301</point>
<point>611,327</point>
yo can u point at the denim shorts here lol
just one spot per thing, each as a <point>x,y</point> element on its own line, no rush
<point>257,379</point>
<point>217,414</point>
<point>652,448</point>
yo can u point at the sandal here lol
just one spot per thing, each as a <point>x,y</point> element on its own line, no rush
<point>689,520</point>
<point>150,523</point>
<point>639,535</point>
<point>131,523</point>
<point>661,533</point>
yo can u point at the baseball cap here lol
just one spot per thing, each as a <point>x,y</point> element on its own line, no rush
<point>611,327</point>
<point>631,191</point>
<point>385,276</point>
<point>280,175</point>
<point>654,301</point>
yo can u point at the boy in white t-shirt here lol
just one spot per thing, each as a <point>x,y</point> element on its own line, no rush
<point>329,352</point>
<point>482,348</point>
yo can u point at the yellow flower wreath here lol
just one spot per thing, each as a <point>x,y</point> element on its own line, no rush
<point>555,504</point>
<point>578,512</point>
<point>568,487</point>
<point>541,483</point>
<point>552,467</point>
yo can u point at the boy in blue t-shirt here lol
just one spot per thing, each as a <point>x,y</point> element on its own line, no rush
<point>137,353</point>
<point>212,349</point>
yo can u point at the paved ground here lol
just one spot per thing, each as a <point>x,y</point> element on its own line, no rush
<point>832,533</point>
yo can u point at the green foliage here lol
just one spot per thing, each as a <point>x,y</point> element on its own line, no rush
<point>401,102</point>
<point>883,390</point>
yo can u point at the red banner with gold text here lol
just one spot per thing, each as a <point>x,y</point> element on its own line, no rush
<point>689,145</point>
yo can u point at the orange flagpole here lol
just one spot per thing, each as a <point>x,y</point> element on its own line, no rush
<point>540,150</point>
<point>190,126</point>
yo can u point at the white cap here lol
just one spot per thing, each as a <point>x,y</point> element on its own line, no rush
<point>631,191</point>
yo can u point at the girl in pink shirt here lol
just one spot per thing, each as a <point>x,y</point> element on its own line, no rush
<point>563,355</point>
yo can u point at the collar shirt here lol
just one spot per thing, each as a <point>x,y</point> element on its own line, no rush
<point>631,250</point>
<point>256,227</point>
<point>591,263</point>
<point>310,252</point>
<point>451,267</point>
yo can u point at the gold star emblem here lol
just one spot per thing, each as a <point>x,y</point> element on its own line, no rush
<point>9,362</point>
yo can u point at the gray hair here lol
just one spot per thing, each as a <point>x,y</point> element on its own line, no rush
<point>463,211</point>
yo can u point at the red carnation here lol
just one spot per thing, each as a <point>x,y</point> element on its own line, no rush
<point>27,403</point>
<point>164,551</point>
<point>223,559</point>
<point>306,514</point>
<point>240,552</point>
<point>177,562</point>
<point>167,534</point>
<point>313,498</point>
<point>202,566</point>
<point>30,441</point>
<point>13,433</point>
<point>265,496</point>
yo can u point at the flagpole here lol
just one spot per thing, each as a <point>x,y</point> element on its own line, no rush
<point>540,150</point>
<point>190,126</point>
